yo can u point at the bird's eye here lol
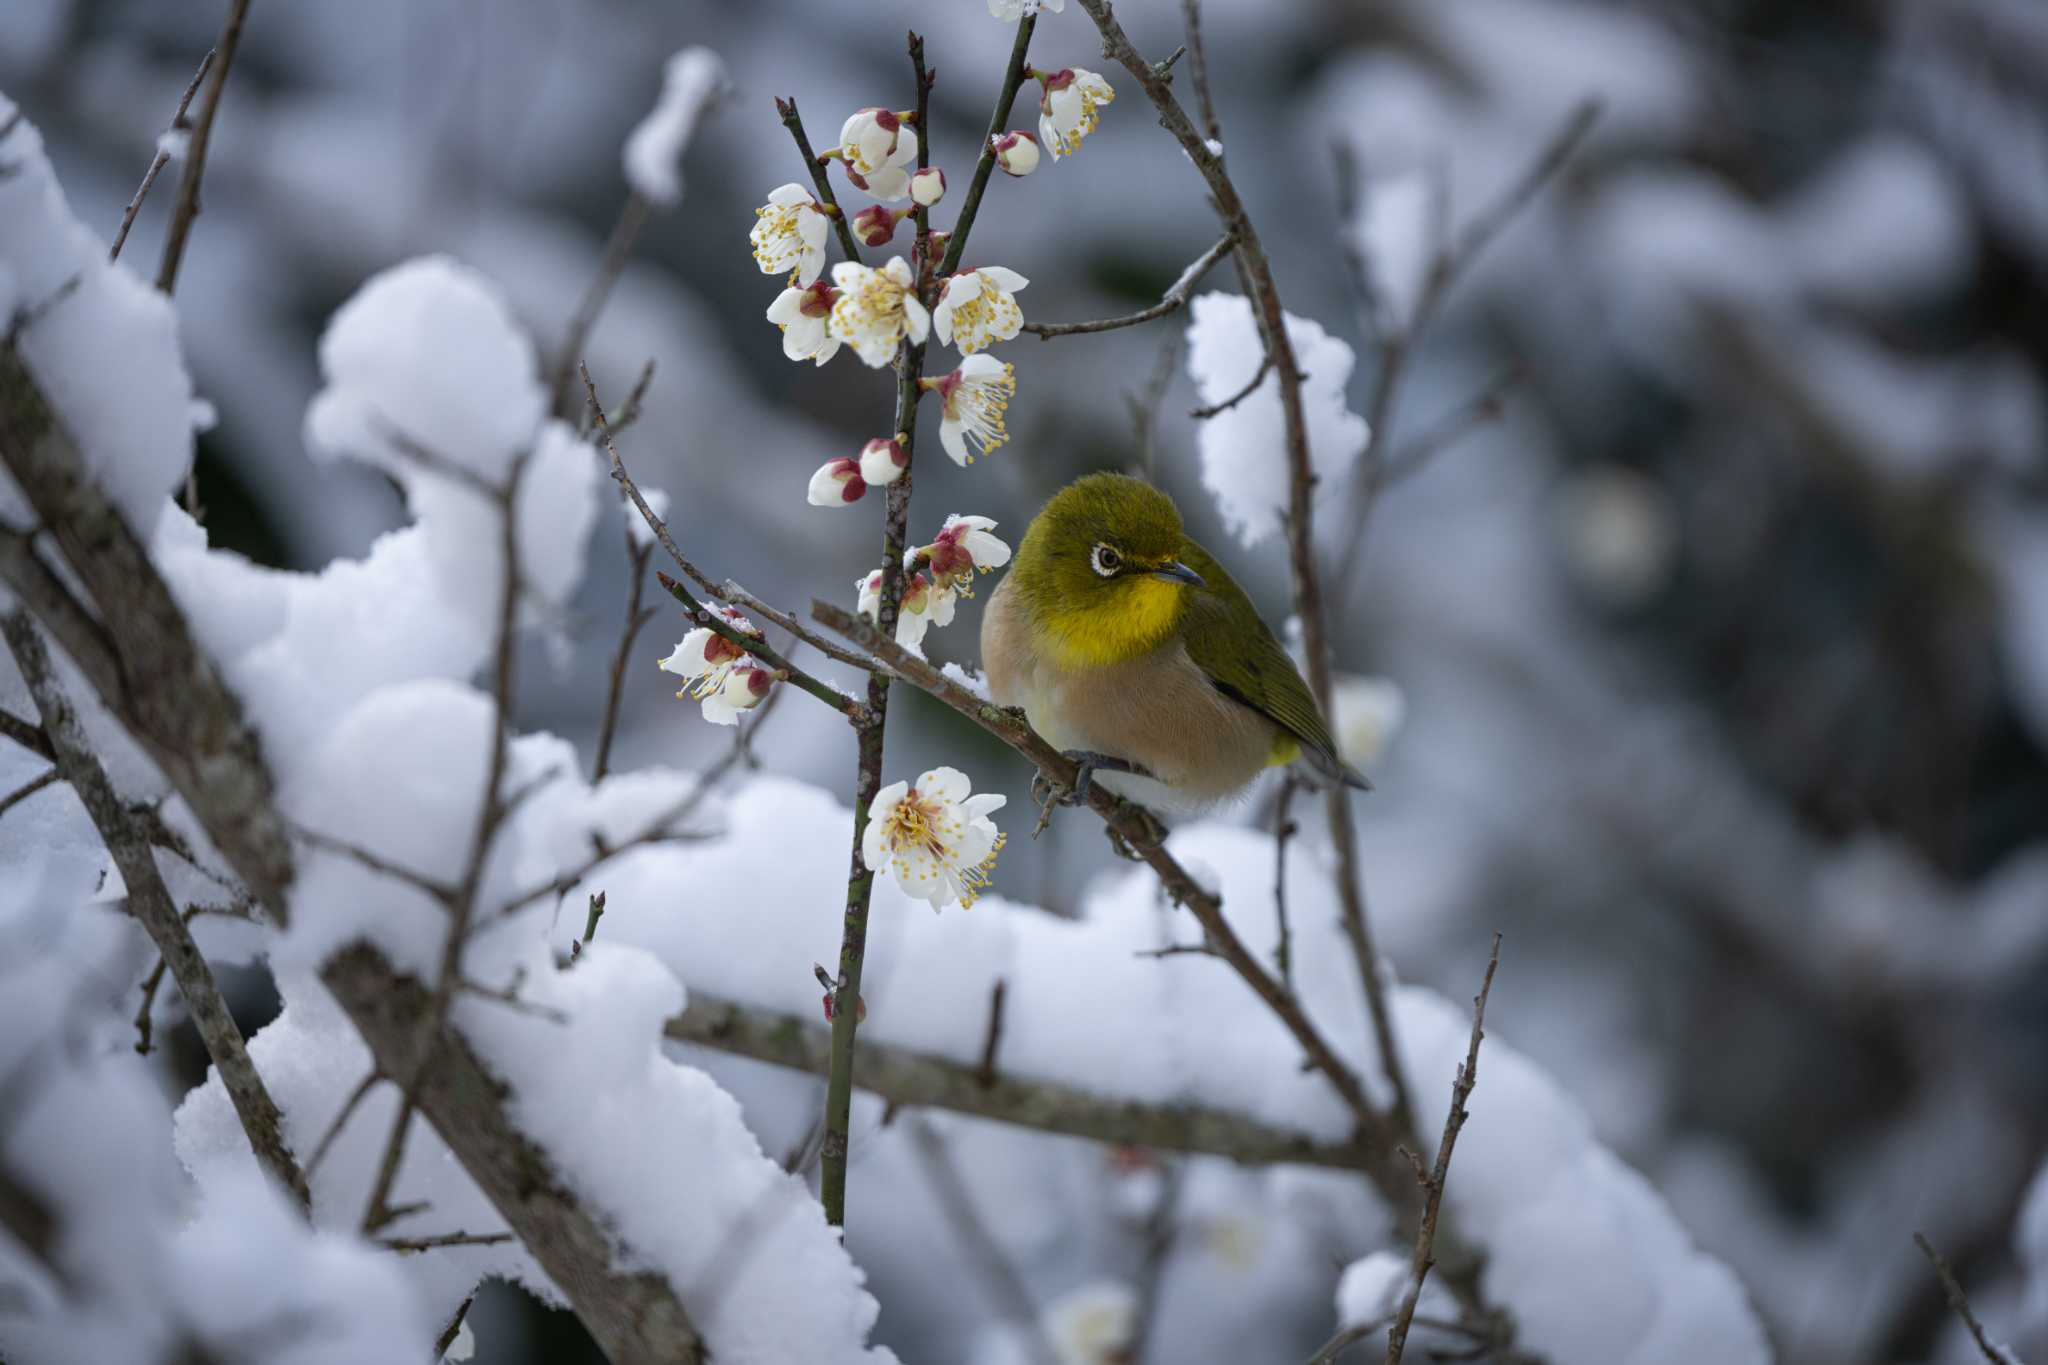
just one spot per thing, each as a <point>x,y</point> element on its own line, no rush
<point>1105,560</point>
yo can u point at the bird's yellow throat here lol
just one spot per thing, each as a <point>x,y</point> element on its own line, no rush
<point>1131,623</point>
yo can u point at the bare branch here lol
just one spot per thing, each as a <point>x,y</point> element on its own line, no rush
<point>985,164</point>
<point>618,249</point>
<point>411,1245</point>
<point>636,618</point>
<point>1175,299</point>
<point>1283,830</point>
<point>179,124</point>
<point>376,862</point>
<point>186,206</point>
<point>150,903</point>
<point>821,182</point>
<point>1191,11</point>
<point>27,789</point>
<point>26,733</point>
<point>1425,1241</point>
<point>1251,386</point>
<point>1952,1288</point>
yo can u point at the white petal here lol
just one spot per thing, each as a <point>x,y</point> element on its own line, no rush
<point>981,367</point>
<point>791,193</point>
<point>985,550</point>
<point>910,629</point>
<point>944,784</point>
<point>1048,136</point>
<point>939,610</point>
<point>916,320</point>
<point>849,274</point>
<point>889,183</point>
<point>906,148</point>
<point>719,711</point>
<point>809,264</point>
<point>898,270</point>
<point>688,660</point>
<point>826,351</point>
<point>972,523</point>
<point>1004,278</point>
<point>954,441</point>
<point>977,807</point>
<point>787,308</point>
<point>942,320</point>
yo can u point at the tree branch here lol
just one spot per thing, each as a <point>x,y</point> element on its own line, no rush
<point>821,182</point>
<point>186,207</point>
<point>179,124</point>
<point>985,164</point>
<point>150,903</point>
<point>1952,1289</point>
<point>1175,299</point>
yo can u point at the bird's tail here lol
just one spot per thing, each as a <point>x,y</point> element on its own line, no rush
<point>1336,769</point>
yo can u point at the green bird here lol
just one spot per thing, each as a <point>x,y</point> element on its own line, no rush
<point>1130,649</point>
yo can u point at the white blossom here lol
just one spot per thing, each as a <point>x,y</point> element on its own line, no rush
<point>1010,11</point>
<point>882,461</point>
<point>789,234</point>
<point>878,146</point>
<point>973,400</point>
<point>876,309</point>
<point>979,308</point>
<point>1069,105</point>
<point>838,483</point>
<point>1366,712</point>
<point>925,604</point>
<point>875,225</point>
<point>1016,153</point>
<point>962,546</point>
<point>1092,1325</point>
<point>803,315</point>
<point>723,677</point>
<point>935,838</point>
<point>928,186</point>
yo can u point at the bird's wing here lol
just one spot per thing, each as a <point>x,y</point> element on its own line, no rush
<point>1233,647</point>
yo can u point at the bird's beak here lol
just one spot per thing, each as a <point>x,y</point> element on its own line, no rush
<point>1173,571</point>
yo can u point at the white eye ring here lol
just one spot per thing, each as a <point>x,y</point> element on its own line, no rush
<point>1105,560</point>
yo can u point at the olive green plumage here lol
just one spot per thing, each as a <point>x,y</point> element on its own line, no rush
<point>1120,634</point>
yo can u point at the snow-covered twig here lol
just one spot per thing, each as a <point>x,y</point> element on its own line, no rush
<point>1433,1198</point>
<point>1952,1289</point>
<point>180,126</point>
<point>921,1080</point>
<point>149,901</point>
<point>186,207</point>
<point>1175,299</point>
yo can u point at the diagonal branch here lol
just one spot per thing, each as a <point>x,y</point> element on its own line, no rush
<point>821,182</point>
<point>179,124</point>
<point>150,902</point>
<point>186,207</point>
<point>1175,299</point>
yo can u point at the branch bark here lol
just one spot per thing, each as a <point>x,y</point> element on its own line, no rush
<point>1175,299</point>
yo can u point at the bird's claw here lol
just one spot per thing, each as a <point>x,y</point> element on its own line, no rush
<point>1049,794</point>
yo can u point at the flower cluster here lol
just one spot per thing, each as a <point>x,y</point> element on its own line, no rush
<point>936,577</point>
<point>935,838</point>
<point>722,676</point>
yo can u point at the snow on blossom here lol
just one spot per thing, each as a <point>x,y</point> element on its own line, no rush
<point>1244,449</point>
<point>1367,713</point>
<point>804,315</point>
<point>723,677</point>
<point>973,399</point>
<point>876,309</point>
<point>1069,106</point>
<point>1016,153</point>
<point>882,461</point>
<point>82,319</point>
<point>691,82</point>
<point>962,546</point>
<point>838,483</point>
<point>877,145</point>
<point>928,186</point>
<point>789,234</point>
<point>979,308</point>
<point>1092,1325</point>
<point>1010,11</point>
<point>935,838</point>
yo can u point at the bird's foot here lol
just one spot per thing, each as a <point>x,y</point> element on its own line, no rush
<point>1049,794</point>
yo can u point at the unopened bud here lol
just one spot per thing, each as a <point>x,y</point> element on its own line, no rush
<point>882,462</point>
<point>928,186</point>
<point>1017,153</point>
<point>875,225</point>
<point>837,483</point>
<point>745,686</point>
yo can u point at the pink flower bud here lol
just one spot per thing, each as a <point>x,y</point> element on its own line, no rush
<point>1017,153</point>
<point>875,225</point>
<point>882,462</point>
<point>837,483</point>
<point>928,186</point>
<point>745,686</point>
<point>860,1011</point>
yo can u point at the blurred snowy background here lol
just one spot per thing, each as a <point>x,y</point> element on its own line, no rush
<point>1724,649</point>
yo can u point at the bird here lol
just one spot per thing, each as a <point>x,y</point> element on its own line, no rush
<point>1131,650</point>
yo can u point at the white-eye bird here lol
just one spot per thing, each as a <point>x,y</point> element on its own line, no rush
<point>1129,647</point>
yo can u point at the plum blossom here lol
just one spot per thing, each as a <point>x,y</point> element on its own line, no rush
<point>838,483</point>
<point>935,838</point>
<point>979,308</point>
<point>877,146</point>
<point>973,400</point>
<point>723,677</point>
<point>882,461</point>
<point>1010,11</point>
<point>802,314</point>
<point>925,604</point>
<point>1068,108</point>
<point>928,186</point>
<point>1092,1325</point>
<point>963,545</point>
<point>876,309</point>
<point>1016,153</point>
<point>789,234</point>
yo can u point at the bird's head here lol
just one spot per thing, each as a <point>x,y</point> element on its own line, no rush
<point>1101,570</point>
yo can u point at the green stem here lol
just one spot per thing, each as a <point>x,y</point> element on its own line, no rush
<point>999,122</point>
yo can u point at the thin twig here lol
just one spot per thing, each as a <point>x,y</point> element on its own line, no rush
<point>985,164</point>
<point>27,734</point>
<point>819,180</point>
<point>618,249</point>
<point>149,901</point>
<point>1477,411</point>
<point>1425,1241</point>
<point>1175,299</point>
<point>179,124</point>
<point>1191,12</point>
<point>1005,1288</point>
<point>186,207</point>
<point>733,594</point>
<point>992,1037</point>
<point>377,862</point>
<point>409,1245</point>
<point>637,617</point>
<point>27,789</point>
<point>1283,830</point>
<point>340,1121</point>
<point>453,1329</point>
<point>1204,413</point>
<point>1952,1288</point>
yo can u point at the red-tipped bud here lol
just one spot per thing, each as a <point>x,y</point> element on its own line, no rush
<point>882,461</point>
<point>928,186</point>
<point>837,483</point>
<point>875,225</point>
<point>1016,153</point>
